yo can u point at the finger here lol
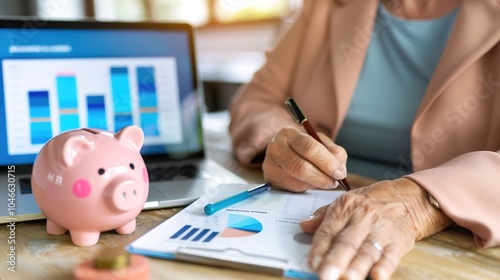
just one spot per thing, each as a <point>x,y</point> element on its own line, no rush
<point>367,256</point>
<point>330,229</point>
<point>280,154</point>
<point>310,224</point>
<point>279,179</point>
<point>299,142</point>
<point>343,250</point>
<point>338,151</point>
<point>340,235</point>
<point>389,260</point>
<point>318,154</point>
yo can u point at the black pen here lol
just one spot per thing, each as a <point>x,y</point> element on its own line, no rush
<point>301,119</point>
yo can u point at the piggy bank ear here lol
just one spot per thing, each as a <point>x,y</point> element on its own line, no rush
<point>132,135</point>
<point>74,149</point>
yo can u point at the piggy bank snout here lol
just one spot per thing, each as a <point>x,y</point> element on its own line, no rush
<point>124,194</point>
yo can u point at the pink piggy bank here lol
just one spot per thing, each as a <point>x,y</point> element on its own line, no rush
<point>88,181</point>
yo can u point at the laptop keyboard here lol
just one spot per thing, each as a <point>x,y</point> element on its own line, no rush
<point>156,174</point>
<point>25,185</point>
<point>163,173</point>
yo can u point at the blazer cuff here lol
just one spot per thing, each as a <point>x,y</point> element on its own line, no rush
<point>467,190</point>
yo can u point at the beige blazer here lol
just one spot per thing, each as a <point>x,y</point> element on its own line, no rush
<point>455,138</point>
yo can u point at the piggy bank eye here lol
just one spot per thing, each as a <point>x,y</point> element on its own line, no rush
<point>132,166</point>
<point>101,171</point>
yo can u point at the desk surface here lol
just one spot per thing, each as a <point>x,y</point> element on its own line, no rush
<point>447,255</point>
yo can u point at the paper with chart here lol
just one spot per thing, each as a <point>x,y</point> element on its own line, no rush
<point>262,229</point>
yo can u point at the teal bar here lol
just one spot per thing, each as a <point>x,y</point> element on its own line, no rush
<point>66,92</point>
<point>69,121</point>
<point>120,88</point>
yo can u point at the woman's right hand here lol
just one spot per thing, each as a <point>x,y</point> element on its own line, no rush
<point>295,161</point>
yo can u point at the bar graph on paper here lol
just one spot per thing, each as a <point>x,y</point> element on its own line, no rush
<point>194,234</point>
<point>237,226</point>
<point>45,97</point>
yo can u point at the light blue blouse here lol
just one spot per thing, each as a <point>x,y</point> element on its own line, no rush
<point>399,64</point>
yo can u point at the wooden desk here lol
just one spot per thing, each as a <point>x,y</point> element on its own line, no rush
<point>446,255</point>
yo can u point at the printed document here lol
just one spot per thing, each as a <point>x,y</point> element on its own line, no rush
<point>261,233</point>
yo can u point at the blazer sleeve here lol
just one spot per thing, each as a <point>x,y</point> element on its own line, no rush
<point>468,191</point>
<point>257,110</point>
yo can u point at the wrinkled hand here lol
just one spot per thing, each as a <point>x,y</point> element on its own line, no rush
<point>368,230</point>
<point>295,161</point>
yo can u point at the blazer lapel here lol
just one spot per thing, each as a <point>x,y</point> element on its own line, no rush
<point>476,30</point>
<point>351,28</point>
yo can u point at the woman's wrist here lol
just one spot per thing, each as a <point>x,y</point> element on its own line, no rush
<point>427,218</point>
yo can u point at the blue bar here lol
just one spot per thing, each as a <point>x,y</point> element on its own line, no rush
<point>68,102</point>
<point>66,92</point>
<point>147,87</point>
<point>41,132</point>
<point>191,233</point>
<point>69,121</point>
<point>210,237</point>
<point>119,70</point>
<point>120,90</point>
<point>96,111</point>
<point>201,234</point>
<point>122,121</point>
<point>180,232</point>
<point>39,104</point>
<point>149,124</point>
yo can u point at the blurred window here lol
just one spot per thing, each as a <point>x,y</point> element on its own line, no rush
<point>126,10</point>
<point>57,9</point>
<point>196,12</point>
<point>247,10</point>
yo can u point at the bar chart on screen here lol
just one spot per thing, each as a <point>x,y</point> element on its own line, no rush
<point>45,97</point>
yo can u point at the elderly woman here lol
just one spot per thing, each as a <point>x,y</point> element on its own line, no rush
<point>410,90</point>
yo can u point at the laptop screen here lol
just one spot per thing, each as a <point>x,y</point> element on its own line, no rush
<point>57,76</point>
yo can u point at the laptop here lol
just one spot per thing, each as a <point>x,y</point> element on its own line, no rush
<point>57,76</point>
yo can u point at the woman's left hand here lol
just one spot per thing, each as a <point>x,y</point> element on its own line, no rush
<point>368,230</point>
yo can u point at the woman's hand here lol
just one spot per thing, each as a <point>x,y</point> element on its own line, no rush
<point>368,230</point>
<point>297,162</point>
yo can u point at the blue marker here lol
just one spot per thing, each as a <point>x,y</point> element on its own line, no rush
<point>216,206</point>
